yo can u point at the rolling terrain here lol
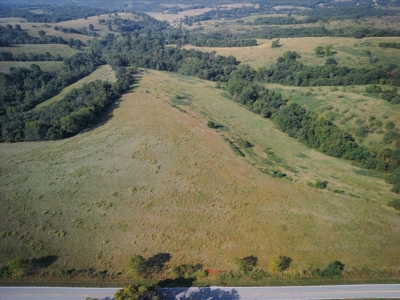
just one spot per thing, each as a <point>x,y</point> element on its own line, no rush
<point>152,177</point>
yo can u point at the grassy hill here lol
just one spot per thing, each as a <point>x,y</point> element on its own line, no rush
<point>152,177</point>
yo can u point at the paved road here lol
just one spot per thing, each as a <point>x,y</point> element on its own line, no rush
<point>222,293</point>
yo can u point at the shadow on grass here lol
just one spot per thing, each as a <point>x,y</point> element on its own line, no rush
<point>45,261</point>
<point>157,262</point>
<point>180,281</point>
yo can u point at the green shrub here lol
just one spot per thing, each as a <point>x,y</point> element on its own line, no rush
<point>5,272</point>
<point>186,271</point>
<point>259,274</point>
<point>318,184</point>
<point>136,265</point>
<point>333,269</point>
<point>375,89</point>
<point>276,174</point>
<point>390,125</point>
<point>395,100</point>
<point>243,143</point>
<point>280,264</point>
<point>211,124</point>
<point>388,95</point>
<point>246,264</point>
<point>395,203</point>
<point>137,292</point>
<point>18,266</point>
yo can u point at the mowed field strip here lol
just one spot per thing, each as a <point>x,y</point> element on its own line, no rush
<point>153,178</point>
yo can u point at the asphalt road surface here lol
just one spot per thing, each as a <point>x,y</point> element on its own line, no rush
<point>222,293</point>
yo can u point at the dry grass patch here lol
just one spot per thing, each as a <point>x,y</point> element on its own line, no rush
<point>349,51</point>
<point>50,66</point>
<point>170,17</point>
<point>53,49</point>
<point>104,73</point>
<point>155,179</point>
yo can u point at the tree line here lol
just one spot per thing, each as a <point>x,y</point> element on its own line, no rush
<point>218,14</point>
<point>9,56</point>
<point>315,131</point>
<point>82,30</point>
<point>289,71</point>
<point>75,112</point>
<point>282,21</point>
<point>25,88</point>
<point>390,45</point>
<point>52,14</point>
<point>347,10</point>
<point>14,36</point>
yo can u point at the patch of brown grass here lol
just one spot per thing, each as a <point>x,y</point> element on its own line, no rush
<point>63,50</point>
<point>49,66</point>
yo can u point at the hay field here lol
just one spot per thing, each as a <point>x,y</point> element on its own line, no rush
<point>152,178</point>
<point>349,51</point>
<point>50,66</point>
<point>170,17</point>
<point>104,73</point>
<point>53,49</point>
<point>193,12</point>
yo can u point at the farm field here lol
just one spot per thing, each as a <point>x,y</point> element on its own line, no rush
<point>104,73</point>
<point>152,177</point>
<point>49,66</point>
<point>53,49</point>
<point>33,28</point>
<point>170,17</point>
<point>193,12</point>
<point>350,52</point>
